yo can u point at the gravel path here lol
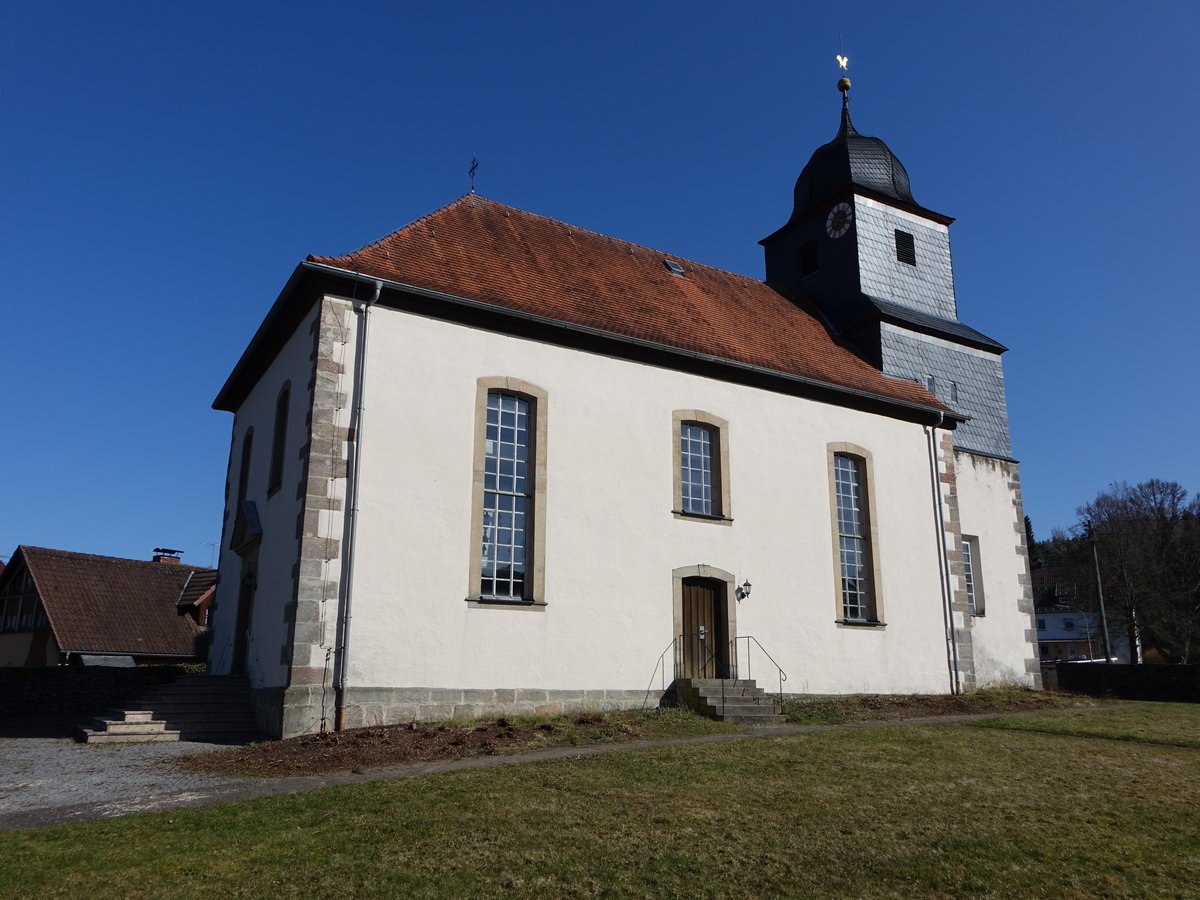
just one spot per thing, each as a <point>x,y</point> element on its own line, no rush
<point>40,771</point>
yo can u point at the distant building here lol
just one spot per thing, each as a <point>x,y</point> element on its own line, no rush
<point>496,462</point>
<point>1068,621</point>
<point>59,607</point>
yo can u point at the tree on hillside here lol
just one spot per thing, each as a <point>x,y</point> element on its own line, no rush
<point>1148,542</point>
<point>1035,556</point>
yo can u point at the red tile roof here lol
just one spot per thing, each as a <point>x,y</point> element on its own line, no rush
<point>200,583</point>
<point>1064,586</point>
<point>485,251</point>
<point>104,604</point>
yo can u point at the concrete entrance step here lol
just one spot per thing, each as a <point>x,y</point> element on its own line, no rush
<point>86,735</point>
<point>125,727</point>
<point>740,701</point>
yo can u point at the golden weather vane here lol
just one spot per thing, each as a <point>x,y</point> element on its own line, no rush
<point>843,62</point>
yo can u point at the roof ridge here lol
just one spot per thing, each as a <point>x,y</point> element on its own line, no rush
<point>550,219</point>
<point>126,559</point>
<point>417,221</point>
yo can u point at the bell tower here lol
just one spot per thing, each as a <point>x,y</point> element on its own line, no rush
<point>877,265</point>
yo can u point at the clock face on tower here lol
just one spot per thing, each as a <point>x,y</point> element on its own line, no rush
<point>839,220</point>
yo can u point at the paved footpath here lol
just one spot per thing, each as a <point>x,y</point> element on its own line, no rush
<point>46,780</point>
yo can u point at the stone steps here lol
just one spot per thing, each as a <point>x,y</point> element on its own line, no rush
<point>208,708</point>
<point>740,701</point>
<point>130,726</point>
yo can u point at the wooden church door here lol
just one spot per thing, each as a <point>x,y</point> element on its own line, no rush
<point>705,640</point>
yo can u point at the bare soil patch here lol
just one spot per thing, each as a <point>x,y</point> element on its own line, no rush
<point>360,749</point>
<point>368,748</point>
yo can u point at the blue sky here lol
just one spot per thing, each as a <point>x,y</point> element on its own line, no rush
<point>164,166</point>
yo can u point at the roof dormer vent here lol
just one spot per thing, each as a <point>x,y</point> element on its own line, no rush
<point>676,268</point>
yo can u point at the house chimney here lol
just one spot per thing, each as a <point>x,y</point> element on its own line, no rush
<point>166,555</point>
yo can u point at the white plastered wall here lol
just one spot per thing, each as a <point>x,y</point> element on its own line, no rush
<point>277,513</point>
<point>989,508</point>
<point>611,539</point>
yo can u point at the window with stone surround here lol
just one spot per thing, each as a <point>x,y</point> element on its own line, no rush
<point>509,494</point>
<point>855,536</point>
<point>970,553</point>
<point>697,450</point>
<point>279,439</point>
<point>244,471</point>
<point>701,466</point>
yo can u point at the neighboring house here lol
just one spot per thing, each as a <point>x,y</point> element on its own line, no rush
<point>58,607</point>
<point>1068,623</point>
<point>496,462</point>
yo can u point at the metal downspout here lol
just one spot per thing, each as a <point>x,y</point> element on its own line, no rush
<point>944,572</point>
<point>343,636</point>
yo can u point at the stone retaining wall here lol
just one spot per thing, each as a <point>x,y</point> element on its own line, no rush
<point>304,707</point>
<point>1131,682</point>
<point>73,690</point>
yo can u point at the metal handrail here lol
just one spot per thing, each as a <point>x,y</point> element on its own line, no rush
<point>748,638</point>
<point>732,664</point>
<point>660,666</point>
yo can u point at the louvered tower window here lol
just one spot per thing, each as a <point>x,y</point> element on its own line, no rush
<point>906,248</point>
<point>809,261</point>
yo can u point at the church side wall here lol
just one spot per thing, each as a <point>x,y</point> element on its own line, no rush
<point>269,648</point>
<point>419,650</point>
<point>1004,638</point>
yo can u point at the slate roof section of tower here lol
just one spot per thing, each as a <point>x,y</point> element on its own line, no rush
<point>853,163</point>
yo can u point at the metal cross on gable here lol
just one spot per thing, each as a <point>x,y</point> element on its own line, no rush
<point>471,171</point>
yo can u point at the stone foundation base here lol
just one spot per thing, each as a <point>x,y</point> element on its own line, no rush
<point>300,709</point>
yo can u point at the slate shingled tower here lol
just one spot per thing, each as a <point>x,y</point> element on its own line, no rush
<point>877,264</point>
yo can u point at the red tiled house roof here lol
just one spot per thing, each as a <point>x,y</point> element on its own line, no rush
<point>484,251</point>
<point>104,604</point>
<point>1063,586</point>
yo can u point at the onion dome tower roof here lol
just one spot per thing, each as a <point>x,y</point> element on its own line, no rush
<point>852,160</point>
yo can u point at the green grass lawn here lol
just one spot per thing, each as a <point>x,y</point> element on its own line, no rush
<point>1156,723</point>
<point>882,707</point>
<point>893,811</point>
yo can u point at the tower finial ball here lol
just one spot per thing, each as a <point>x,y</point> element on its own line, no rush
<point>843,84</point>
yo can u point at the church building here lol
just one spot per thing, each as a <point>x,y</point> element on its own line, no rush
<point>497,463</point>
